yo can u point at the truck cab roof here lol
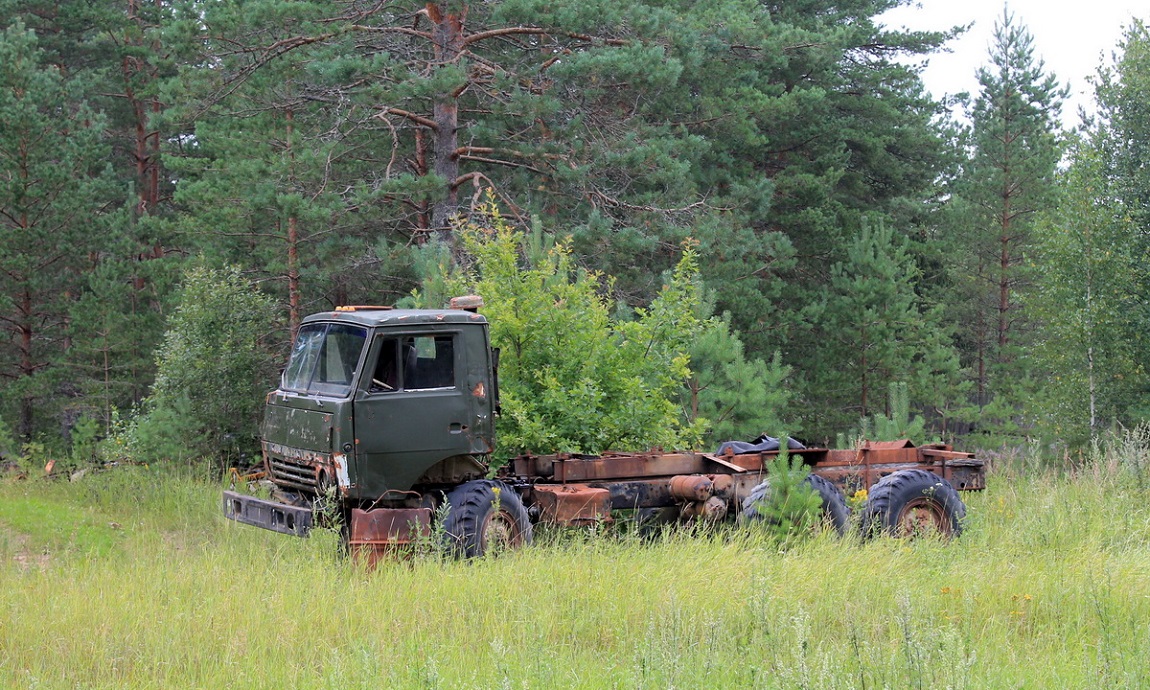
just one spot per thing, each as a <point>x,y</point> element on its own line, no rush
<point>377,316</point>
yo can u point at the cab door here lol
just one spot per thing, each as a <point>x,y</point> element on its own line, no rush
<point>412,410</point>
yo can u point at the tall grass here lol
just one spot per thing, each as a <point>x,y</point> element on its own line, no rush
<point>132,579</point>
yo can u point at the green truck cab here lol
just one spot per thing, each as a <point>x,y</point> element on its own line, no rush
<point>380,408</point>
<point>376,402</point>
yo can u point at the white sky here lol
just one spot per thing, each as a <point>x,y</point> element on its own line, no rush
<point>1072,39</point>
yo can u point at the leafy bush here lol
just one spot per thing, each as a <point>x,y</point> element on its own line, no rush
<point>574,376</point>
<point>212,372</point>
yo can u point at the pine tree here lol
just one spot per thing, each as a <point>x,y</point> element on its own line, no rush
<point>812,124</point>
<point>1007,181</point>
<point>738,396</point>
<point>873,329</point>
<point>54,205</point>
<point>109,53</point>
<point>115,48</point>
<point>115,326</point>
<point>791,505</point>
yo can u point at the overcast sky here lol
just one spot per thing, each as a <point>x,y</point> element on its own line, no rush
<point>1072,39</point>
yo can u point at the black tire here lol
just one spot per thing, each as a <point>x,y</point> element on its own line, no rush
<point>835,510</point>
<point>912,502</point>
<point>485,517</point>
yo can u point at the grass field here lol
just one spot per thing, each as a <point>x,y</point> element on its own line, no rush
<point>130,578</point>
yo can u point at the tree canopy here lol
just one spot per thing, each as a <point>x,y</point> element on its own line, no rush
<point>845,232</point>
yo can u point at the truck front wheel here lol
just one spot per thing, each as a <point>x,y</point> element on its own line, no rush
<point>484,517</point>
<point>913,502</point>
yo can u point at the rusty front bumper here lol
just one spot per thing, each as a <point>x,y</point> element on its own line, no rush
<point>270,515</point>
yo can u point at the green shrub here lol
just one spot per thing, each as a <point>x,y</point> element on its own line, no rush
<point>574,376</point>
<point>213,370</point>
<point>582,372</point>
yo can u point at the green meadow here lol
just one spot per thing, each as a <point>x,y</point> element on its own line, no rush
<point>130,578</point>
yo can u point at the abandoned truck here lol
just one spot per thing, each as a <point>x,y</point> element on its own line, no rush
<point>387,417</point>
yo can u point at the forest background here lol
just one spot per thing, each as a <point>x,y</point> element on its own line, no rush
<point>182,180</point>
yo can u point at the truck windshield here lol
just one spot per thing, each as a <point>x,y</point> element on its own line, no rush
<point>323,359</point>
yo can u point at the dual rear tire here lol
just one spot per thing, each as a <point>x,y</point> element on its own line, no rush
<point>912,503</point>
<point>906,503</point>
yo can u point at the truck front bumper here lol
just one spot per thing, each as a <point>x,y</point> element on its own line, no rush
<point>258,512</point>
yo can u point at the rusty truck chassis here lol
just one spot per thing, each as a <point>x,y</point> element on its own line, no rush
<point>572,489</point>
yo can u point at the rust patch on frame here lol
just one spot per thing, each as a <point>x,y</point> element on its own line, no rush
<point>573,504</point>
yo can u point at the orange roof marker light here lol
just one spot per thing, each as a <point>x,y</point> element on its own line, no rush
<point>472,303</point>
<point>362,307</point>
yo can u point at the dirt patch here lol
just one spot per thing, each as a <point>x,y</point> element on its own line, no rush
<point>26,560</point>
<point>17,544</point>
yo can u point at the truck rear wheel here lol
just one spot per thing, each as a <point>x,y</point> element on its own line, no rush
<point>835,511</point>
<point>913,502</point>
<point>485,517</point>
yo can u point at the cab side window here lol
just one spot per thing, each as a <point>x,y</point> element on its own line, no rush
<point>417,362</point>
<point>429,362</point>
